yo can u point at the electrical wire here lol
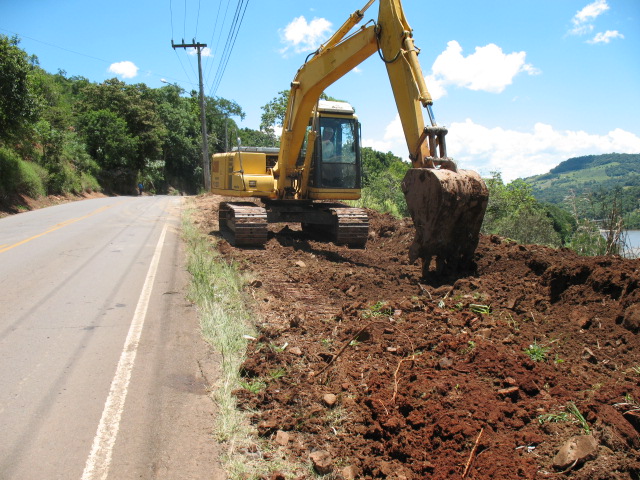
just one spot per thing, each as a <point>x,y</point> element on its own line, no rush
<point>171,17</point>
<point>231,40</point>
<point>197,19</point>
<point>226,46</point>
<point>80,53</point>
<point>184,21</point>
<point>189,77</point>
<point>217,45</point>
<point>209,63</point>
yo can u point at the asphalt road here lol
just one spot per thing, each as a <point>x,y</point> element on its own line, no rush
<point>103,373</point>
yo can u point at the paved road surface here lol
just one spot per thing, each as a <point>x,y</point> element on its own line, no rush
<point>102,369</point>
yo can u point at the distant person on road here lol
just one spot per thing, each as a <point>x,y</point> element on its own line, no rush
<point>140,188</point>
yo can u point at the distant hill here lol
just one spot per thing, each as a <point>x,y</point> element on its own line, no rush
<point>591,173</point>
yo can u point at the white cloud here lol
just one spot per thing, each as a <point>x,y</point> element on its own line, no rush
<point>583,20</point>
<point>302,36</point>
<point>514,153</point>
<point>392,140</point>
<point>583,23</point>
<point>488,69</point>
<point>124,69</point>
<point>605,37</point>
<point>522,154</point>
<point>205,52</point>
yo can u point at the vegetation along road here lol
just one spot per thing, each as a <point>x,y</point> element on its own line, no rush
<point>102,366</point>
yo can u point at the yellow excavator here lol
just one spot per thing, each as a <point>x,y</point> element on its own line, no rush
<point>318,162</point>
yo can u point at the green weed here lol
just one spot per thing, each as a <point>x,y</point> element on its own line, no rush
<point>378,309</point>
<point>254,386</point>
<point>537,352</point>
<point>480,309</point>
<point>278,373</point>
<point>573,410</point>
<point>553,418</point>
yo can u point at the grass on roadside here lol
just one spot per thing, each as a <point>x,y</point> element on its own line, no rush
<point>225,317</point>
<point>226,320</point>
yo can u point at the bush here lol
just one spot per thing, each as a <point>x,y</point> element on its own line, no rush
<point>587,240</point>
<point>529,225</point>
<point>63,178</point>
<point>514,212</point>
<point>384,194</point>
<point>20,177</point>
<point>89,183</point>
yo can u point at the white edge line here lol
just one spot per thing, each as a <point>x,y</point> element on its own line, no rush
<point>99,460</point>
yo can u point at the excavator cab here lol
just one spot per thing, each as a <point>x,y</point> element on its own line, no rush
<point>337,154</point>
<point>336,164</point>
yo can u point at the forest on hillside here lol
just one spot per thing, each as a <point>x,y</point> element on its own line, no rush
<point>63,134</point>
<point>602,179</point>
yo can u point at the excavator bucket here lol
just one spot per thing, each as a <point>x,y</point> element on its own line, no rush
<point>447,209</point>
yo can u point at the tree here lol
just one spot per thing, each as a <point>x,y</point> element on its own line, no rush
<point>273,113</point>
<point>255,138</point>
<point>600,222</point>
<point>514,212</point>
<point>222,129</point>
<point>382,175</point>
<point>111,145</point>
<point>181,152</point>
<point>19,105</point>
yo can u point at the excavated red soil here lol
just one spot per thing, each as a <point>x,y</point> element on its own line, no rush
<point>394,377</point>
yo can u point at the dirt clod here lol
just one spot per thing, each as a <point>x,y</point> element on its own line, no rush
<point>322,462</point>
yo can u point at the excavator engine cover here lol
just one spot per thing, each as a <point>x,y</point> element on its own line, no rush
<point>447,209</point>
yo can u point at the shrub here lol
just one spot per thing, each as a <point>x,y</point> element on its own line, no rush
<point>20,177</point>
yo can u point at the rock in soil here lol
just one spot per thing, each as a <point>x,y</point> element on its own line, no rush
<point>575,452</point>
<point>322,462</point>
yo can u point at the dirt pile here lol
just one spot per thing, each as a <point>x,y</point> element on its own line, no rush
<point>381,375</point>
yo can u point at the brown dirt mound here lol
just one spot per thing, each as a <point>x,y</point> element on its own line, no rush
<point>472,378</point>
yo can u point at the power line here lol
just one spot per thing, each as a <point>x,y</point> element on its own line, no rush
<point>231,40</point>
<point>197,20</point>
<point>213,33</point>
<point>215,54</point>
<point>171,16</point>
<point>184,21</point>
<point>84,54</point>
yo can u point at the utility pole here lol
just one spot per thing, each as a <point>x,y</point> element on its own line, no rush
<point>203,120</point>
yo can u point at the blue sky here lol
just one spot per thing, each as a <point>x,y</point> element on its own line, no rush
<point>521,84</point>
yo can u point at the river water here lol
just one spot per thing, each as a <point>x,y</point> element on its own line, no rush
<point>633,243</point>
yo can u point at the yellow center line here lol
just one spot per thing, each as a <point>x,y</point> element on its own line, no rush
<point>5,247</point>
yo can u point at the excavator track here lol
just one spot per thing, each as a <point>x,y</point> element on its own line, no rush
<point>243,224</point>
<point>351,226</point>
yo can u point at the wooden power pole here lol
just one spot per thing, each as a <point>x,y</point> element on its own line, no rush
<point>203,119</point>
